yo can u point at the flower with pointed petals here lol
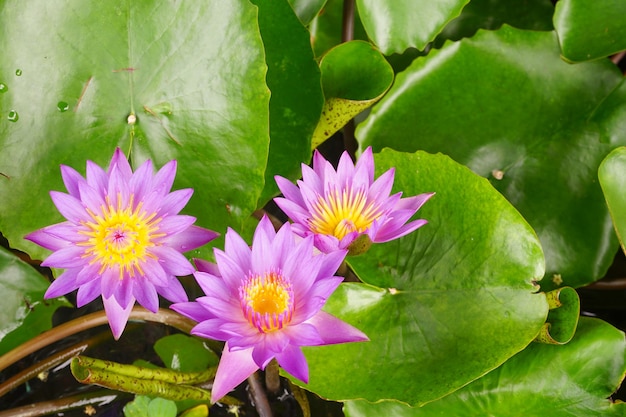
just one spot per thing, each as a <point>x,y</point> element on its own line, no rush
<point>123,238</point>
<point>265,301</point>
<point>347,208</point>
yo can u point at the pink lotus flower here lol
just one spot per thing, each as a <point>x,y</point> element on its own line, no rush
<point>346,208</point>
<point>123,237</point>
<point>265,302</point>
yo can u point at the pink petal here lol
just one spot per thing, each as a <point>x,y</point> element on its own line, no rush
<point>206,266</point>
<point>394,230</point>
<point>210,329</point>
<point>289,190</point>
<point>146,295</point>
<point>365,163</point>
<point>153,271</point>
<point>345,171</point>
<point>237,249</point>
<point>71,179</point>
<point>88,292</point>
<point>164,178</point>
<point>70,207</point>
<point>294,211</point>
<point>91,198</point>
<point>88,273</point>
<point>174,202</point>
<point>63,284</point>
<point>117,316</point>
<point>66,257</point>
<point>191,238</point>
<point>96,177</point>
<point>293,361</point>
<point>119,160</point>
<point>47,240</point>
<point>175,224</point>
<point>141,181</point>
<point>333,331</point>
<point>192,310</point>
<point>173,291</point>
<point>117,188</point>
<point>234,368</point>
<point>172,261</point>
<point>381,188</point>
<point>230,270</point>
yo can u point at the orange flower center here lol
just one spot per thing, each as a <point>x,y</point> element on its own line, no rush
<point>267,301</point>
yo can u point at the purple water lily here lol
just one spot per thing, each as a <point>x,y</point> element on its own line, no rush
<point>265,301</point>
<point>346,208</point>
<point>123,238</point>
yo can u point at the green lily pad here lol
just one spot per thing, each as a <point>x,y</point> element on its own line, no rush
<point>612,175</point>
<point>293,76</point>
<point>441,306</point>
<point>162,80</point>
<point>396,25</point>
<point>590,29</point>
<point>184,353</point>
<point>562,318</point>
<point>326,27</point>
<point>24,313</point>
<point>354,76</point>
<point>517,114</point>
<point>573,380</point>
<point>306,10</point>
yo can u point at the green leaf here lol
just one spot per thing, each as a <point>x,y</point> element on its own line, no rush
<point>143,406</point>
<point>590,29</point>
<point>354,76</point>
<point>395,25</point>
<point>193,75</point>
<point>24,313</point>
<point>293,76</point>
<point>306,10</point>
<point>573,380</point>
<point>441,306</point>
<point>612,175</point>
<point>184,353</point>
<point>492,14</point>
<point>562,318</point>
<point>610,116</point>
<point>518,115</point>
<point>326,28</point>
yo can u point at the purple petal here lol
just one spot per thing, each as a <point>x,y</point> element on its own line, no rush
<point>394,230</point>
<point>214,286</point>
<point>192,310</point>
<point>311,179</point>
<point>153,271</point>
<point>345,171</point>
<point>289,190</point>
<point>88,292</point>
<point>206,266</point>
<point>175,224</point>
<point>65,283</point>
<point>191,238</point>
<point>332,262</point>
<point>230,270</point>
<point>303,334</point>
<point>173,291</point>
<point>110,281</point>
<point>71,179</point>
<point>119,160</point>
<point>297,213</point>
<point>238,250</point>
<point>88,273</point>
<point>141,181</point>
<point>333,331</point>
<point>47,240</point>
<point>117,188</point>
<point>262,355</point>
<point>91,198</point>
<point>366,163</point>
<point>117,316</point>
<point>124,292</point>
<point>413,203</point>
<point>174,202</point>
<point>381,188</point>
<point>210,329</point>
<point>70,207</point>
<point>66,257</point>
<point>96,177</point>
<point>146,295</point>
<point>233,369</point>
<point>164,179</point>
<point>172,261</point>
<point>293,361</point>
<point>262,257</point>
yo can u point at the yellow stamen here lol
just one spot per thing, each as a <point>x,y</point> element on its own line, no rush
<point>339,213</point>
<point>267,301</point>
<point>120,237</point>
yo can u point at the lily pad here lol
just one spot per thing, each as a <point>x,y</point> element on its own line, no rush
<point>162,80</point>
<point>572,380</point>
<point>396,25</point>
<point>306,10</point>
<point>518,115</point>
<point>612,175</point>
<point>441,306</point>
<point>590,29</point>
<point>24,314</point>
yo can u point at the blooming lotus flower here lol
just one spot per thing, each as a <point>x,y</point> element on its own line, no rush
<point>265,302</point>
<point>346,208</point>
<point>123,237</point>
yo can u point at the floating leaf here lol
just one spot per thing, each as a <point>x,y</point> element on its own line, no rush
<point>162,80</point>
<point>562,318</point>
<point>143,406</point>
<point>395,25</point>
<point>518,114</point>
<point>354,76</point>
<point>572,380</point>
<point>24,313</point>
<point>443,305</point>
<point>184,353</point>
<point>612,175</point>
<point>590,29</point>
<point>306,10</point>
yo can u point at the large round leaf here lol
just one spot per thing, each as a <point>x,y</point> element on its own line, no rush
<point>590,29</point>
<point>441,306</point>
<point>506,105</point>
<point>23,314</point>
<point>293,77</point>
<point>612,176</point>
<point>192,74</point>
<point>572,380</point>
<point>395,25</point>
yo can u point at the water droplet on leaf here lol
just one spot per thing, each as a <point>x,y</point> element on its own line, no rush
<point>13,116</point>
<point>62,106</point>
<point>3,88</point>
<point>18,72</point>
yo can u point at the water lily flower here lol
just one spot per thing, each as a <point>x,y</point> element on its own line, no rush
<point>347,208</point>
<point>123,238</point>
<point>265,302</point>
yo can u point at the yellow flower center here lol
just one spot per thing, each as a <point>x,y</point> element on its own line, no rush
<point>340,212</point>
<point>120,237</point>
<point>267,301</point>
